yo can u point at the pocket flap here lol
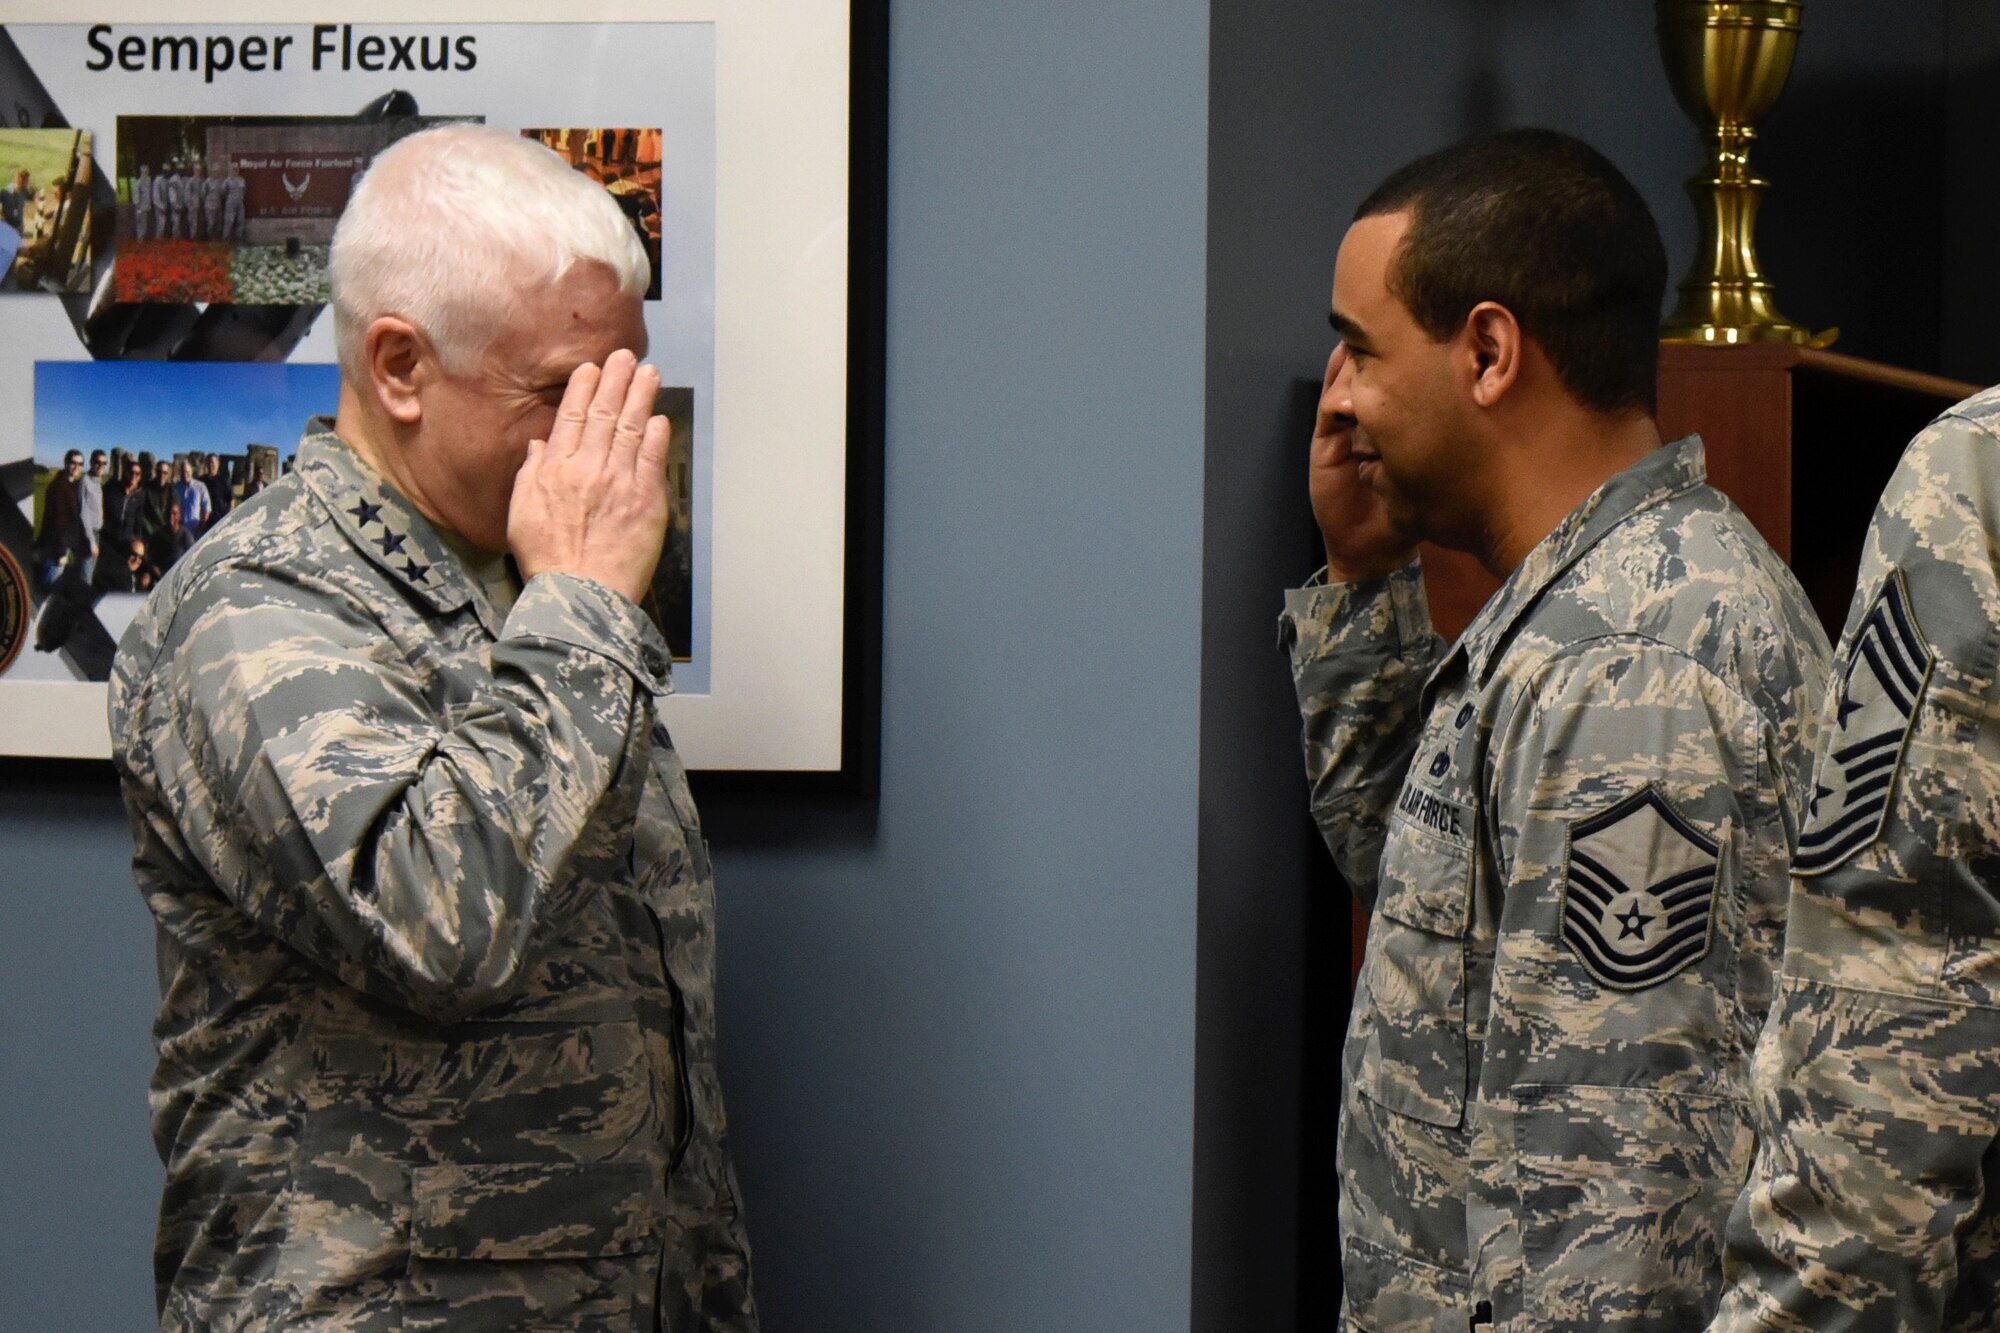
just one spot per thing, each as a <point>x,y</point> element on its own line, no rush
<point>552,1210</point>
<point>1412,1021</point>
<point>1426,881</point>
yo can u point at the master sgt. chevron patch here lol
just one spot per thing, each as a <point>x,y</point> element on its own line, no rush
<point>1638,889</point>
<point>1887,668</point>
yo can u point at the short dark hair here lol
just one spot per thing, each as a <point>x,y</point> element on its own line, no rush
<point>1543,224</point>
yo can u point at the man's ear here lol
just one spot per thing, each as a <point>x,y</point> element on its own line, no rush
<point>1493,343</point>
<point>399,361</point>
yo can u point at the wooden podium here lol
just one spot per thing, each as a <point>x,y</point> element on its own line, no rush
<point>1802,440</point>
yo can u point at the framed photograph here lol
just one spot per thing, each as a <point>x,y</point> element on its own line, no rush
<point>187,166</point>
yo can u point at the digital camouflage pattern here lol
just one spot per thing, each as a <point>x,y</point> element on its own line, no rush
<point>1573,828</point>
<point>436,925</point>
<point>1872,1205</point>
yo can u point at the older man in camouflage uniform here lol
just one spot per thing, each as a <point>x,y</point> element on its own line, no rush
<point>1872,1206</point>
<point>436,919</point>
<point>1573,824</point>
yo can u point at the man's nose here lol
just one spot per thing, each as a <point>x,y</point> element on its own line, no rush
<point>1338,399</point>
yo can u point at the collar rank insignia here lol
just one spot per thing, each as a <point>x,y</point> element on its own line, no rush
<point>1887,666</point>
<point>1638,887</point>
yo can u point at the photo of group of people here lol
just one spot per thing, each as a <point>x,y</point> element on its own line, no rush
<point>120,520</point>
<point>134,462</point>
<point>238,208</point>
<point>625,161</point>
<point>47,215</point>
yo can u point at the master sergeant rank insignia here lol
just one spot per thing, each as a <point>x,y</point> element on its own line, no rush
<point>1638,889</point>
<point>1887,668</point>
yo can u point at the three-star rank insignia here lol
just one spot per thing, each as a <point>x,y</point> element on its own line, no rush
<point>1888,665</point>
<point>1638,892</point>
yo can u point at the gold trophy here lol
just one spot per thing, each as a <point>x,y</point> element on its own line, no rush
<point>1728,61</point>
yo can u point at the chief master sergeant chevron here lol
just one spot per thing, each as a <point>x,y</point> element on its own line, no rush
<point>1572,824</point>
<point>1871,1207</point>
<point>437,1046</point>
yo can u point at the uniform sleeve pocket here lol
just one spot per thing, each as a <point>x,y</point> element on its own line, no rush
<point>1622,1198</point>
<point>1414,1057</point>
<point>508,1211</point>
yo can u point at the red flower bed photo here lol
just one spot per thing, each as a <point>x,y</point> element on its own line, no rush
<point>173,270</point>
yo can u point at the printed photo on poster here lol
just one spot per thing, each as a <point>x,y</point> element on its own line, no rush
<point>48,221</point>
<point>670,602</point>
<point>625,161</point>
<point>134,462</point>
<point>238,209</point>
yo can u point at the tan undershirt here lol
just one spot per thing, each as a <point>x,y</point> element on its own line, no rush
<point>491,572</point>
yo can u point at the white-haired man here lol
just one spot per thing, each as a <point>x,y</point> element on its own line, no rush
<point>437,1047</point>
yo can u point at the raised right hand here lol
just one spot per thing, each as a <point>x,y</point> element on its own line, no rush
<point>592,499</point>
<point>1362,541</point>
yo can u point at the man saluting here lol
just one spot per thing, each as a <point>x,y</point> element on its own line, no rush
<point>1572,825</point>
<point>437,1049</point>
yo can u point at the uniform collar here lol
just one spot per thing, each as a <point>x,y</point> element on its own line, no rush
<point>379,522</point>
<point>1662,474</point>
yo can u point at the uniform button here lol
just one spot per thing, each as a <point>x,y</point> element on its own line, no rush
<point>654,662</point>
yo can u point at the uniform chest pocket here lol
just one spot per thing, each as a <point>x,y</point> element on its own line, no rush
<point>1414,1057</point>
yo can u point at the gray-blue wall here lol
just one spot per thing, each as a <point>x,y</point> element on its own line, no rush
<point>960,1046</point>
<point>78,1178</point>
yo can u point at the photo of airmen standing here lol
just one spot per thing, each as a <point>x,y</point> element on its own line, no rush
<point>1573,825</point>
<point>187,202</point>
<point>1872,1206</point>
<point>237,209</point>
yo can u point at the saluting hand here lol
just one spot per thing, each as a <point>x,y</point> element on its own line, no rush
<point>1362,541</point>
<point>592,498</point>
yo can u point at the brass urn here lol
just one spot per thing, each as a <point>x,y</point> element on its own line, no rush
<point>1728,61</point>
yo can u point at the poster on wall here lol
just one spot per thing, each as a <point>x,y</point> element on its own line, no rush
<point>171,192</point>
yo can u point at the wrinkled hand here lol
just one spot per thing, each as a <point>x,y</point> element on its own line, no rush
<point>592,498</point>
<point>1362,542</point>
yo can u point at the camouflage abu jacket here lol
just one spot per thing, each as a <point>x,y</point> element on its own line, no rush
<point>1572,828</point>
<point>437,1045</point>
<point>1873,1205</point>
